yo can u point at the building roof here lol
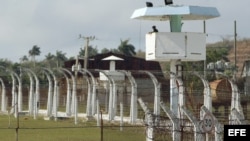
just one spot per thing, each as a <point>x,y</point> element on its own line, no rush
<point>112,57</point>
<point>162,13</point>
<point>100,61</point>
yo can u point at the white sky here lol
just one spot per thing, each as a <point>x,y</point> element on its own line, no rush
<point>56,24</point>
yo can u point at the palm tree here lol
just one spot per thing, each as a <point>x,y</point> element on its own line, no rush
<point>126,49</point>
<point>50,59</point>
<point>24,59</point>
<point>35,51</point>
<point>60,58</point>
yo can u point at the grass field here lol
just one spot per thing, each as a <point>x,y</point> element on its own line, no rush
<point>65,130</point>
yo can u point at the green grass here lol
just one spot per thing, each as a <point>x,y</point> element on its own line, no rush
<point>65,130</point>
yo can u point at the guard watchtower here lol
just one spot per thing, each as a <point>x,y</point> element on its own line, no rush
<point>175,46</point>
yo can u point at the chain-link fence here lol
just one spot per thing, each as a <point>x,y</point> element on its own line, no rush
<point>146,84</point>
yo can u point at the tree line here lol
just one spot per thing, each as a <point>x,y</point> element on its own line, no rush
<point>215,52</point>
<point>58,59</point>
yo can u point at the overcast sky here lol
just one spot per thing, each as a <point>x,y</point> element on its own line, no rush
<point>56,24</point>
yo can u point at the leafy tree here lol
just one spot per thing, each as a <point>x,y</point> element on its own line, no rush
<point>115,51</point>
<point>105,50</point>
<point>140,54</point>
<point>24,62</point>
<point>5,63</point>
<point>71,58</point>
<point>91,51</point>
<point>126,48</point>
<point>214,54</point>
